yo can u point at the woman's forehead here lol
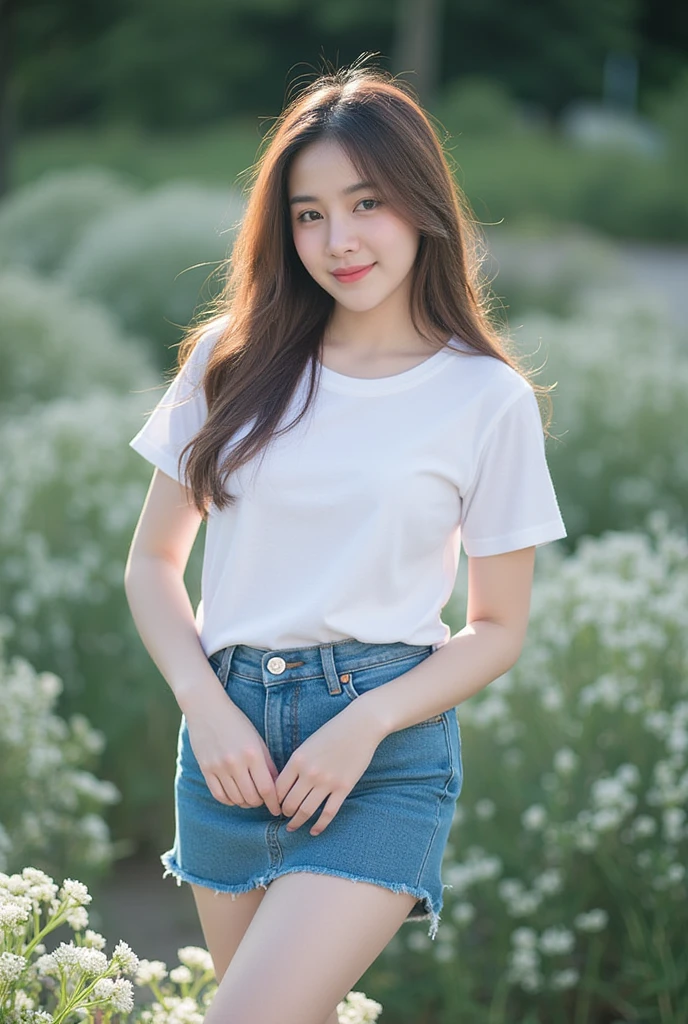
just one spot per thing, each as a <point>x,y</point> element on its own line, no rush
<point>325,164</point>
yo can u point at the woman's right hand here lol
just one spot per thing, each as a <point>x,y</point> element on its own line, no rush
<point>231,753</point>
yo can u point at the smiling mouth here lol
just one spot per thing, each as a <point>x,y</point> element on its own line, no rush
<point>352,275</point>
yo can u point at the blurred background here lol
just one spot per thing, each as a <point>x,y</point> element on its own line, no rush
<point>126,134</point>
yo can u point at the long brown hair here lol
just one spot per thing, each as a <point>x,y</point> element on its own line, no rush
<point>275,313</point>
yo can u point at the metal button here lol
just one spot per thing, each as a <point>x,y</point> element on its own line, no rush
<point>276,666</point>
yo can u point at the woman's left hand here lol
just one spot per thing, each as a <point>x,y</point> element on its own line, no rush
<point>328,763</point>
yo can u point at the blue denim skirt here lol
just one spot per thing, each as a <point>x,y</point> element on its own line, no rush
<point>392,828</point>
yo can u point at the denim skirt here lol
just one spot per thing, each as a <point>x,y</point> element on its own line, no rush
<point>392,828</point>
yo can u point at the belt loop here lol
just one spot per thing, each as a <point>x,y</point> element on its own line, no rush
<point>226,662</point>
<point>330,669</point>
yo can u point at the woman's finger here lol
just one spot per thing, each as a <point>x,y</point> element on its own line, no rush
<point>330,810</point>
<point>308,807</point>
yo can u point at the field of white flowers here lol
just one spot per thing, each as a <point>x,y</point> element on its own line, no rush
<point>566,899</point>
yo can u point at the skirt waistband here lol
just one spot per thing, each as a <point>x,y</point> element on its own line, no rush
<point>299,663</point>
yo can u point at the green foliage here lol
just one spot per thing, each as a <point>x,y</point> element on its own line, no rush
<point>671,112</point>
<point>526,174</point>
<point>155,64</point>
<point>42,221</point>
<point>474,107</point>
<point>50,802</point>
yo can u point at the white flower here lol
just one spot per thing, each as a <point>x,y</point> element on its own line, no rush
<point>122,998</point>
<point>77,918</point>
<point>534,817</point>
<point>181,975</point>
<point>463,912</point>
<point>68,955</point>
<point>46,966</point>
<point>549,882</point>
<point>94,939</point>
<point>628,774</point>
<point>510,888</point>
<point>357,1008</point>
<point>565,761</point>
<point>75,891</point>
<point>676,873</point>
<point>524,958</point>
<point>524,937</point>
<point>196,958</point>
<point>485,808</point>
<point>11,967</point>
<point>556,941</point>
<point>150,971</point>
<point>643,826</point>
<point>92,961</point>
<point>103,988</point>
<point>125,958</point>
<point>673,819</point>
<point>592,921</point>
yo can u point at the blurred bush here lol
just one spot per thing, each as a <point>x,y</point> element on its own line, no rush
<point>620,409</point>
<point>567,859</point>
<point>42,221</point>
<point>155,260</point>
<point>50,803</point>
<point>545,266</point>
<point>71,491</point>
<point>55,345</point>
<point>670,111</point>
<point>474,106</point>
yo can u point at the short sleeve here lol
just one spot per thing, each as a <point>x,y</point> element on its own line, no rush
<point>179,415</point>
<point>510,502</point>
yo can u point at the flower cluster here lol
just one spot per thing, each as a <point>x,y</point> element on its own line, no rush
<point>77,979</point>
<point>573,818</point>
<point>49,802</point>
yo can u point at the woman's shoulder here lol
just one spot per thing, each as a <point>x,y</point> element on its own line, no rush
<point>487,374</point>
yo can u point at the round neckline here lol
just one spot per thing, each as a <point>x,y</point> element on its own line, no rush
<point>332,380</point>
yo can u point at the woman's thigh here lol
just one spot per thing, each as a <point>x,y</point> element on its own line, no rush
<point>224,921</point>
<point>310,942</point>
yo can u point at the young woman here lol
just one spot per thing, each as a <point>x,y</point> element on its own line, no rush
<point>343,420</point>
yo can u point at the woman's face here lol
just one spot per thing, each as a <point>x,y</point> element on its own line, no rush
<point>338,222</point>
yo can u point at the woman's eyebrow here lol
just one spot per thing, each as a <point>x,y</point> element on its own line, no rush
<point>358,187</point>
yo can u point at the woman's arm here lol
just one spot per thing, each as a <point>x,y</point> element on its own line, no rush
<point>157,595</point>
<point>499,589</point>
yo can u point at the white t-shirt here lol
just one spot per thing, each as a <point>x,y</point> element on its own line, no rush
<point>351,525</point>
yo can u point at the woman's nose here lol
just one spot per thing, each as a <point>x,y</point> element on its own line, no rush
<point>341,238</point>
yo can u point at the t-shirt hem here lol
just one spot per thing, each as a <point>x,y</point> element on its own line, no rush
<point>533,536</point>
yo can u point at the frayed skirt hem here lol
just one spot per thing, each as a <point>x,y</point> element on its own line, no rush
<point>181,875</point>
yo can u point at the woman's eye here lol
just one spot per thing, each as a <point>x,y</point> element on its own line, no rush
<point>305,217</point>
<point>302,216</point>
<point>375,201</point>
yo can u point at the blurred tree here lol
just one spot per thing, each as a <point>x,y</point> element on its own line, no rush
<point>166,64</point>
<point>7,11</point>
<point>417,44</point>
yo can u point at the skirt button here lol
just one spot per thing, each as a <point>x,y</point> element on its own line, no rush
<point>276,666</point>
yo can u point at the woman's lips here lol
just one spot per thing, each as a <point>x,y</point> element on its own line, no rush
<point>354,275</point>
